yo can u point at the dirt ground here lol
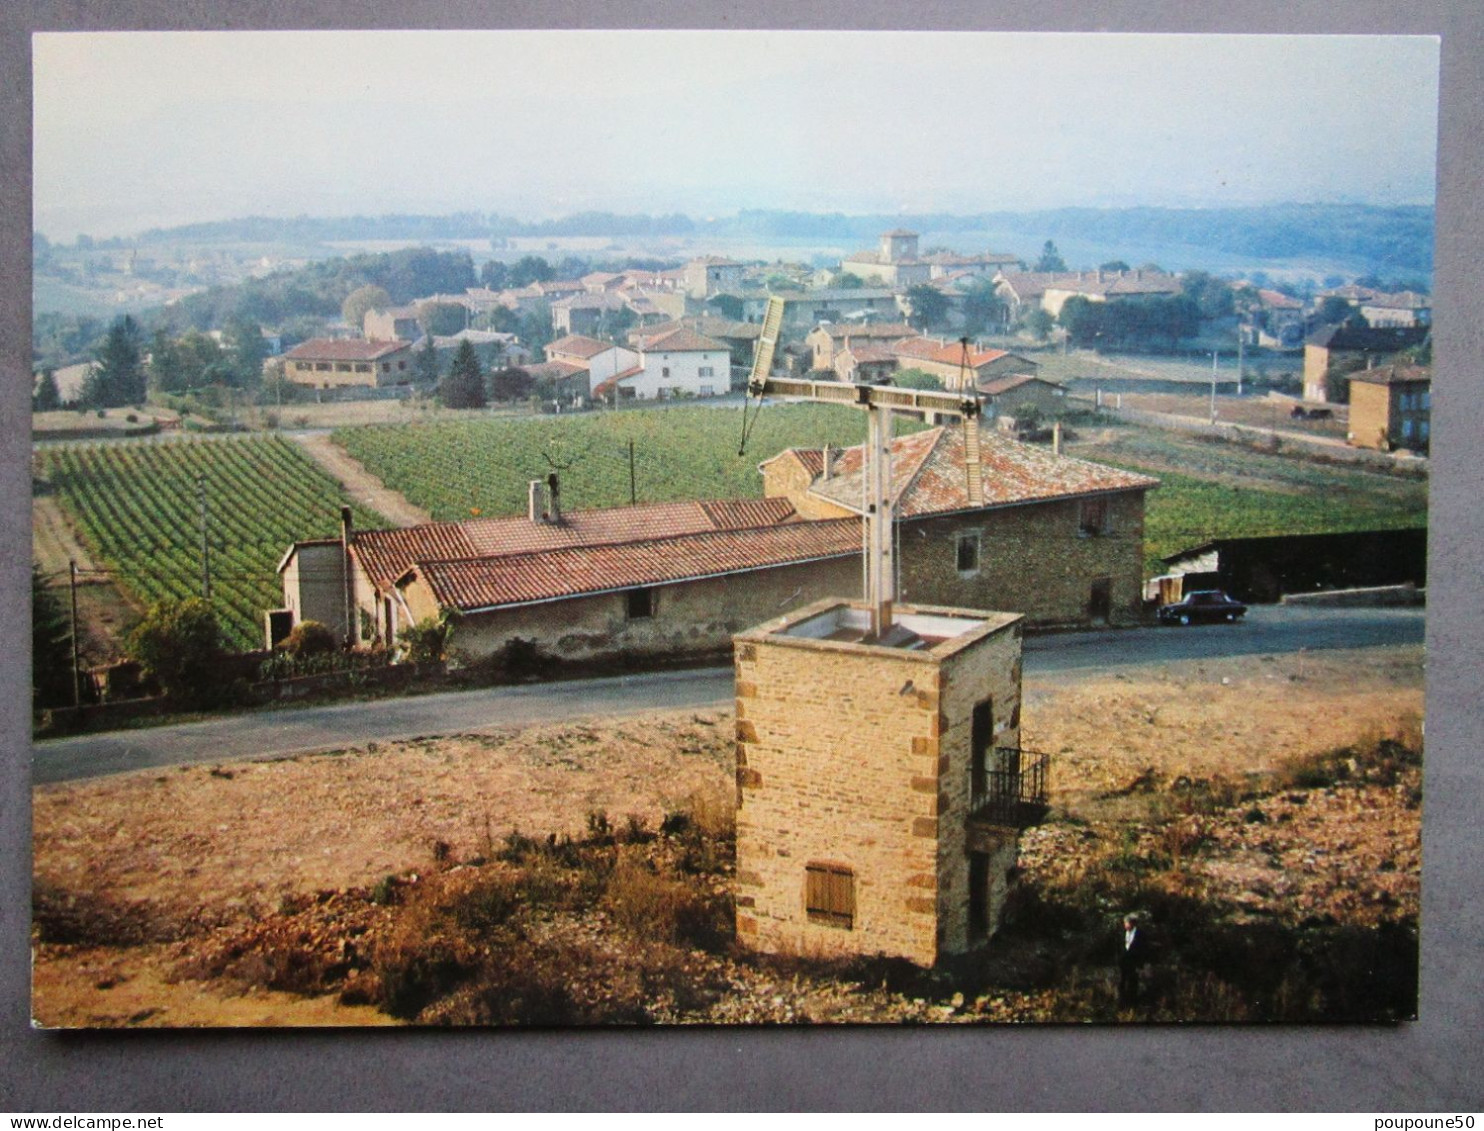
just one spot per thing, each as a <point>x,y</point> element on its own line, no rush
<point>159,861</point>
<point>1254,412</point>
<point>363,487</point>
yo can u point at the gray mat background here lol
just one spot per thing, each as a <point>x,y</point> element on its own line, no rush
<point>1431,1065</point>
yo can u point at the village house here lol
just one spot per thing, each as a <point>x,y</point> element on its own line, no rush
<point>711,275</point>
<point>1022,394</point>
<point>395,323</point>
<point>829,338</point>
<point>1332,351</point>
<point>602,361</point>
<point>982,266</point>
<point>950,363</point>
<point>829,304</point>
<point>327,363</point>
<point>675,363</point>
<point>865,364</point>
<point>1106,286</point>
<point>1405,308</point>
<point>894,264</point>
<point>1391,408</point>
<point>1058,540</point>
<point>739,337</point>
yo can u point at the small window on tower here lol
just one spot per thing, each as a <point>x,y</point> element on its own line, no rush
<point>829,896</point>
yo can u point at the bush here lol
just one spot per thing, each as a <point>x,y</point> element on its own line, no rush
<point>179,644</point>
<point>426,642</point>
<point>310,638</point>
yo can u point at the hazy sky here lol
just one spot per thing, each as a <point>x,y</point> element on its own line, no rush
<point>141,129</point>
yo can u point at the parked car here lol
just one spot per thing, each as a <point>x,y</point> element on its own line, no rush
<point>1206,605</point>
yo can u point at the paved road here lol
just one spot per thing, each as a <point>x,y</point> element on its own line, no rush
<point>303,729</point>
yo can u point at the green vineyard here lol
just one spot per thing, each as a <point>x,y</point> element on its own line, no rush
<point>138,507</point>
<point>458,469</point>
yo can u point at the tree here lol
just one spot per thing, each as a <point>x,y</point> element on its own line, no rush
<point>179,644</point>
<point>245,350</point>
<point>849,281</point>
<point>117,378</point>
<point>728,306</point>
<point>1213,297</point>
<point>1051,259</point>
<point>442,318</point>
<point>425,365</point>
<point>362,299</point>
<point>463,387</point>
<point>494,275</point>
<point>929,306</point>
<point>1082,319</point>
<point>530,269</point>
<point>1114,265</point>
<point>916,379</point>
<point>511,384</point>
<point>983,307</point>
<point>51,645</point>
<point>1333,310</point>
<point>46,397</point>
<point>1039,323</point>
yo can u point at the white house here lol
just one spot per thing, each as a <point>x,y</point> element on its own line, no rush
<point>602,360</point>
<point>677,362</point>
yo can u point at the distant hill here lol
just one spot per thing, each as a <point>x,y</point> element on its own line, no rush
<point>1394,238</point>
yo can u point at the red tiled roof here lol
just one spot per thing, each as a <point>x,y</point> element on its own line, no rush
<point>482,583</point>
<point>928,476</point>
<point>343,349</point>
<point>1393,374</point>
<point>867,354</point>
<point>606,386</point>
<point>386,554</point>
<point>1014,381</point>
<point>948,353</point>
<point>576,345</point>
<point>838,331</point>
<point>680,340</point>
<point>1279,301</point>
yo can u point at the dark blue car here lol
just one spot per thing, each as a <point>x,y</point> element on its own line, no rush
<point>1203,606</point>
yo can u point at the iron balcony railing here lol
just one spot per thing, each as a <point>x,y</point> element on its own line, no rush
<point>1010,790</point>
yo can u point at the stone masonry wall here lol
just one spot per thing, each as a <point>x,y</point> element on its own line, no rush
<point>1032,560</point>
<point>844,756</point>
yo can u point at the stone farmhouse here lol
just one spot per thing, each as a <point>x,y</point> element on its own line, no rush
<point>328,363</point>
<point>1022,393</point>
<point>1056,539</point>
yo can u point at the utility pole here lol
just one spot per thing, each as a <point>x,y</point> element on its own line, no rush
<point>205,548</point>
<point>879,401</point>
<point>1214,355</point>
<point>76,667</point>
<point>633,494</point>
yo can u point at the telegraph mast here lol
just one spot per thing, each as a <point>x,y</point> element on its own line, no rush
<point>879,401</point>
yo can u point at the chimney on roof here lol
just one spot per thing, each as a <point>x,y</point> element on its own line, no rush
<point>536,500</point>
<point>829,463</point>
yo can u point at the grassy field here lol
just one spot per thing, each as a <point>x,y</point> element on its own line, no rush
<point>457,470</point>
<point>137,507</point>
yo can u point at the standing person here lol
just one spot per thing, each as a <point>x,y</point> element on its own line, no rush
<point>1133,953</point>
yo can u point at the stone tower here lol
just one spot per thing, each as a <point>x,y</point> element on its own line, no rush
<point>880,786</point>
